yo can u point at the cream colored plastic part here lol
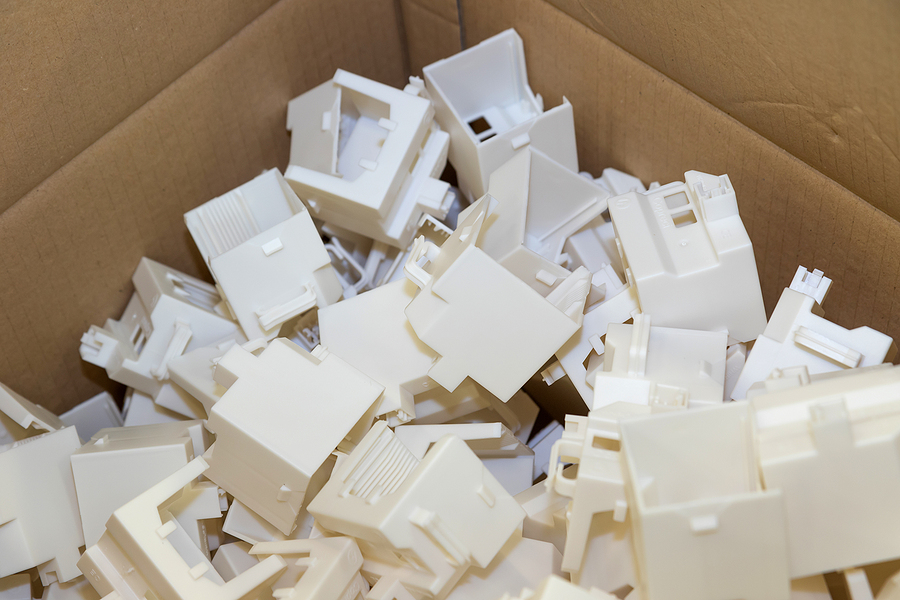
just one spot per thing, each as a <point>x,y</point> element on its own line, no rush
<point>689,257</point>
<point>540,204</point>
<point>193,372</point>
<point>661,367</point>
<point>173,397</point>
<point>829,443</point>
<point>545,513</point>
<point>367,157</point>
<point>704,529</point>
<point>557,588</point>
<point>618,182</point>
<point>437,405</point>
<point>230,220</point>
<point>422,523</point>
<point>810,588</point>
<point>233,559</point>
<point>542,445</point>
<point>20,419</point>
<point>482,98</point>
<point>77,589</point>
<point>320,569</point>
<point>15,587</point>
<point>522,562</point>
<point>594,247</point>
<point>799,335</point>
<point>145,552</point>
<point>276,275</point>
<point>140,409</point>
<point>371,333</point>
<point>284,413</point>
<point>39,522</point>
<point>92,415</point>
<point>508,459</point>
<point>168,314</point>
<point>482,320</point>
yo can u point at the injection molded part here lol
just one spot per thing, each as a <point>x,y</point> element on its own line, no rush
<point>284,412</point>
<point>686,252</point>
<point>319,569</point>
<point>15,587</point>
<point>545,513</point>
<point>482,320</point>
<point>140,409</point>
<point>799,335</point>
<point>367,157</point>
<point>540,204</point>
<point>77,589</point>
<point>557,588</point>
<point>193,371</point>
<point>39,521</point>
<point>233,559</point>
<point>146,553</point>
<point>276,275</point>
<point>21,419</point>
<point>168,314</point>
<point>829,443</point>
<point>661,367</point>
<point>370,332</point>
<point>419,522</point>
<point>704,528</point>
<point>482,99</point>
<point>92,415</point>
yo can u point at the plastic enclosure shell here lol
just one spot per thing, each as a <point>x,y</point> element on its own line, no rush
<point>482,98</point>
<point>366,157</point>
<point>688,255</point>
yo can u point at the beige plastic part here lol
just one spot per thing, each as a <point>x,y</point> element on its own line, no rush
<point>594,247</point>
<point>77,589</point>
<point>540,204</point>
<point>193,372</point>
<point>421,523</point>
<point>437,405</point>
<point>173,397</point>
<point>542,445</point>
<point>93,414</point>
<point>686,251</point>
<point>508,459</point>
<point>20,419</point>
<point>545,513</point>
<point>233,559</point>
<point>799,335</point>
<point>39,521</point>
<point>140,409</point>
<point>284,413</point>
<point>557,588</point>
<point>366,157</point>
<point>704,528</point>
<point>661,367</point>
<point>319,569</point>
<point>15,587</point>
<point>145,552</point>
<point>168,314</point>
<point>482,320</point>
<point>829,443</point>
<point>522,562</point>
<point>371,333</point>
<point>813,587</point>
<point>276,275</point>
<point>482,98</point>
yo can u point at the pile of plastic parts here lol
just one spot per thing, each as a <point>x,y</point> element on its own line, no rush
<point>342,415</point>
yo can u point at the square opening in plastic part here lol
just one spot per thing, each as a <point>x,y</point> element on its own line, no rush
<point>683,219</point>
<point>482,129</point>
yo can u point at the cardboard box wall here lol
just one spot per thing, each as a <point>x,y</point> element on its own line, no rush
<point>119,117</point>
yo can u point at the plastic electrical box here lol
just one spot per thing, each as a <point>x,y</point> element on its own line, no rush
<point>366,156</point>
<point>482,99</point>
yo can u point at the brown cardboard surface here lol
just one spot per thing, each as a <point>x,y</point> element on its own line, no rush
<point>68,248</point>
<point>72,70</point>
<point>432,31</point>
<point>820,78</point>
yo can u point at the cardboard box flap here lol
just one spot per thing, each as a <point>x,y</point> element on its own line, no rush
<point>821,78</point>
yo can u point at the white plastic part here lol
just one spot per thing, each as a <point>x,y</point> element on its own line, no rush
<point>15,587</point>
<point>619,182</point>
<point>193,372</point>
<point>20,419</point>
<point>319,569</point>
<point>522,562</point>
<point>39,522</point>
<point>370,332</point>
<point>810,588</point>
<point>829,443</point>
<point>482,98</point>
<point>686,251</point>
<point>545,513</point>
<point>813,284</point>
<point>704,529</point>
<point>799,335</point>
<point>283,414</point>
<point>557,588</point>
<point>172,396</point>
<point>442,514</point>
<point>140,409</point>
<point>276,275</point>
<point>482,320</point>
<point>77,589</point>
<point>144,552</point>
<point>542,444</point>
<point>858,584</point>
<point>508,459</point>
<point>92,415</point>
<point>661,367</point>
<point>366,156</point>
<point>228,221</point>
<point>233,559</point>
<point>540,204</point>
<point>169,313</point>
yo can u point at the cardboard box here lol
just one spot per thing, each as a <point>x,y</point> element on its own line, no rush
<point>118,118</point>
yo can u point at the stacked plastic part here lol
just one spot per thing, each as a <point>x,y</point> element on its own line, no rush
<point>361,405</point>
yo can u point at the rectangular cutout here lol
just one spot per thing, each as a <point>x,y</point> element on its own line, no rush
<point>684,219</point>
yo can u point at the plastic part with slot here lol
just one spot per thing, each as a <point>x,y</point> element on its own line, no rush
<point>557,588</point>
<point>319,569</point>
<point>21,419</point>
<point>92,415</point>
